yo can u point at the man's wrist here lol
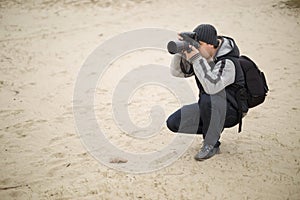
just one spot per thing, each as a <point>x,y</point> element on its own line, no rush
<point>194,57</point>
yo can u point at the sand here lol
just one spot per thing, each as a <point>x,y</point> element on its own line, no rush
<point>43,47</point>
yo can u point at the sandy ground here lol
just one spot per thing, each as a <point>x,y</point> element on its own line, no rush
<point>43,46</point>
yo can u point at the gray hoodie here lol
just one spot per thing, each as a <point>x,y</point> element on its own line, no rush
<point>212,76</point>
<point>216,75</point>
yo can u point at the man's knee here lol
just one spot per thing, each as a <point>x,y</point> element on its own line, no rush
<point>173,122</point>
<point>171,125</point>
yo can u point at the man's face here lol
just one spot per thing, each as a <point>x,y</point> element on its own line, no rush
<point>205,49</point>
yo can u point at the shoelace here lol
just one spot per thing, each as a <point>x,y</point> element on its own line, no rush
<point>207,148</point>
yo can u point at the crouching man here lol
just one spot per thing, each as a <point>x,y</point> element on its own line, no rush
<point>214,63</point>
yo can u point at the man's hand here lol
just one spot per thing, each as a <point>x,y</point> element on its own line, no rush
<point>192,53</point>
<point>187,55</point>
<point>179,37</point>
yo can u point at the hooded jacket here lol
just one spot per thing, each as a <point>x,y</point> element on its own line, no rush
<point>223,72</point>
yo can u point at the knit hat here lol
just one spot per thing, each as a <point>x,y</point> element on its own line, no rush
<point>206,33</point>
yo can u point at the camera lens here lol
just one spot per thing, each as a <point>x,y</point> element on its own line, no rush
<point>172,47</point>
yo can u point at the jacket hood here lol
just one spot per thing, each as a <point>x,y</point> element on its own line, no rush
<point>227,48</point>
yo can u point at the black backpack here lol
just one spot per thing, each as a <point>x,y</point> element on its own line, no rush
<point>256,88</point>
<point>255,82</point>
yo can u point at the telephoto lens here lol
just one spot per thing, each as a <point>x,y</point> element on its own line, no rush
<point>177,46</point>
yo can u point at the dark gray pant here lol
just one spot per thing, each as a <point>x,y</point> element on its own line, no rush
<point>208,117</point>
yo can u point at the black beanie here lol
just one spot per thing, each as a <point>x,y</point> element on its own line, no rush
<point>206,33</point>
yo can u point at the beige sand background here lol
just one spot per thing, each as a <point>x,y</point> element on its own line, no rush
<point>43,45</point>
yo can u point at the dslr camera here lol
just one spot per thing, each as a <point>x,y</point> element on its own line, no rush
<point>188,38</point>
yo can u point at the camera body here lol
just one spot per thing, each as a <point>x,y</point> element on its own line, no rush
<point>189,38</point>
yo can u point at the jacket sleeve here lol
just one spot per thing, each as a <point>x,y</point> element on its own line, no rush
<point>214,77</point>
<point>176,69</point>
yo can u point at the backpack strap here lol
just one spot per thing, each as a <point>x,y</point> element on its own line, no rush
<point>240,95</point>
<point>184,69</point>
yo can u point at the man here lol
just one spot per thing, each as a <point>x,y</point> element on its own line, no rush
<point>218,76</point>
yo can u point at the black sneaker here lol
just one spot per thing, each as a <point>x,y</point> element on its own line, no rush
<point>207,151</point>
